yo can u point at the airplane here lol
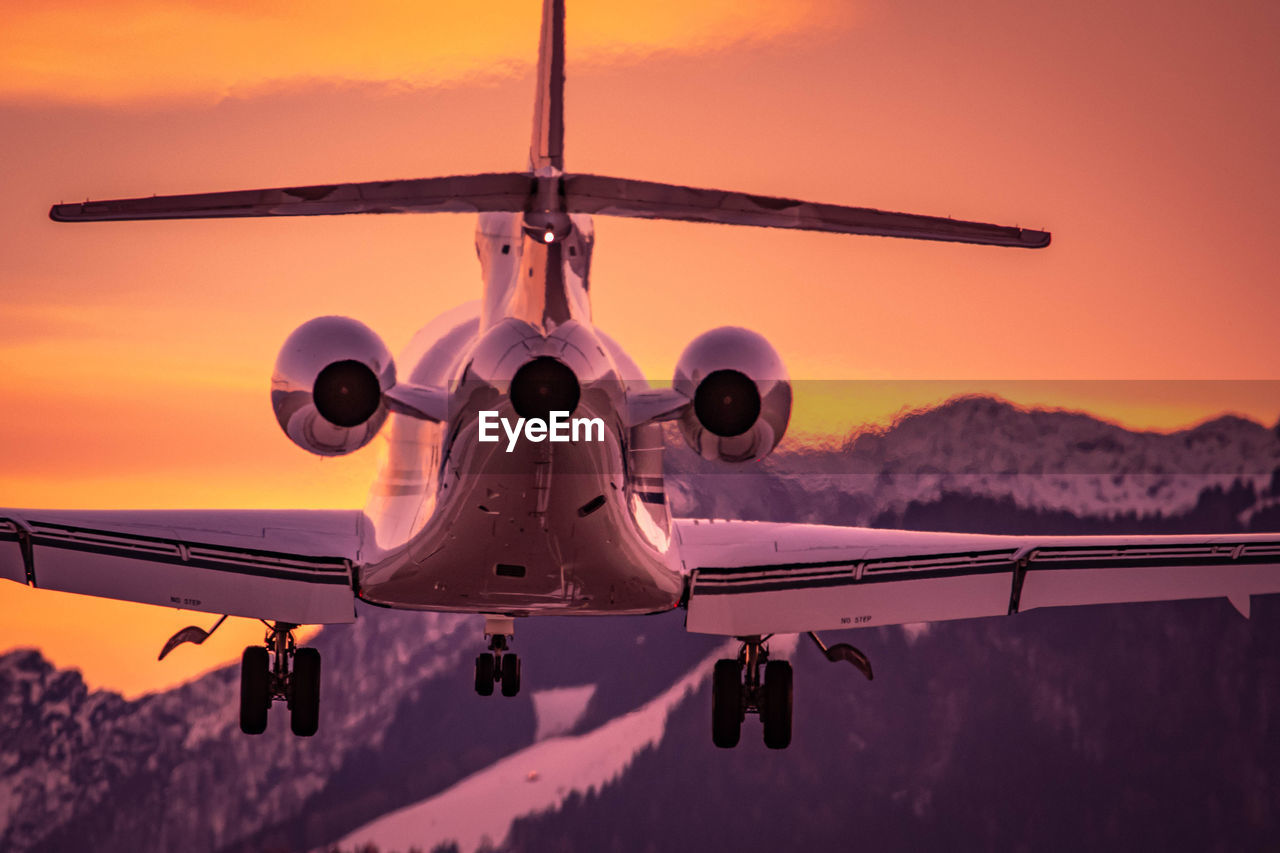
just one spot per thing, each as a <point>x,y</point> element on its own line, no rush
<point>490,500</point>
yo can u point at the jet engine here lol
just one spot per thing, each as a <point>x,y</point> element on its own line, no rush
<point>740,391</point>
<point>328,385</point>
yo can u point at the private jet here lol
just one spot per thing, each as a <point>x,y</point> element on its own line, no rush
<point>491,501</point>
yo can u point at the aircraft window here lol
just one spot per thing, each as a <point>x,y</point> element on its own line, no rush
<point>573,251</point>
<point>508,571</point>
<point>506,248</point>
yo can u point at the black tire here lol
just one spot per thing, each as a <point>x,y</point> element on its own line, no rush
<point>484,674</point>
<point>255,690</point>
<point>304,693</point>
<point>726,704</point>
<point>510,675</point>
<point>775,704</point>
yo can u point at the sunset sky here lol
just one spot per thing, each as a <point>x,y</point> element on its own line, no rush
<point>137,356</point>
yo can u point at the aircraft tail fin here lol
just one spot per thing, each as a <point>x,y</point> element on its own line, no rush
<point>546,149</point>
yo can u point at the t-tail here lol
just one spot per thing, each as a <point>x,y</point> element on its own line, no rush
<point>546,149</point>
<point>545,193</point>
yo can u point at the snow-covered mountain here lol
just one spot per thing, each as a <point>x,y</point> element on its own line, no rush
<point>1042,459</point>
<point>1099,726</point>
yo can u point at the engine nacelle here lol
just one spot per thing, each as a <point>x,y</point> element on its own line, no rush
<point>328,383</point>
<point>740,391</point>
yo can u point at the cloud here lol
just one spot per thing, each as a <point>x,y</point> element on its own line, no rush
<point>145,50</point>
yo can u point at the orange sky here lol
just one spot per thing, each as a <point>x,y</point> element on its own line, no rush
<point>136,355</point>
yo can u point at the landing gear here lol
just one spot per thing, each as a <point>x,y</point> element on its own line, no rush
<point>727,711</point>
<point>775,704</point>
<point>510,674</point>
<point>304,694</point>
<point>737,689</point>
<point>485,674</point>
<point>255,690</point>
<point>265,677</point>
<point>498,665</point>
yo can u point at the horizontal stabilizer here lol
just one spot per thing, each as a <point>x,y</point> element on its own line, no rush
<point>454,194</point>
<point>518,192</point>
<point>650,200</point>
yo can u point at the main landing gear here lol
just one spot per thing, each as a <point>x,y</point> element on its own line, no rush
<point>498,665</point>
<point>265,676</point>
<point>737,690</point>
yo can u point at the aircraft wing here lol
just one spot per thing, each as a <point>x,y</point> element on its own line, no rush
<point>284,565</point>
<point>753,578</point>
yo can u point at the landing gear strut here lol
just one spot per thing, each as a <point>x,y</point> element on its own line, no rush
<point>265,677</point>
<point>737,690</point>
<point>498,665</point>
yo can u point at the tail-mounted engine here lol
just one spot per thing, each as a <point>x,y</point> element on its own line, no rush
<point>740,391</point>
<point>328,385</point>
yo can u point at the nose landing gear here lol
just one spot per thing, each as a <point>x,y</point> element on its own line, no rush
<point>498,665</point>
<point>265,676</point>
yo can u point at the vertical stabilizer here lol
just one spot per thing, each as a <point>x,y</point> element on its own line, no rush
<point>546,151</point>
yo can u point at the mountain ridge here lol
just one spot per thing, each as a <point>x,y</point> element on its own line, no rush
<point>151,773</point>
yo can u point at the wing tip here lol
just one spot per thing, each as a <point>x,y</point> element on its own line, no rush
<point>1034,239</point>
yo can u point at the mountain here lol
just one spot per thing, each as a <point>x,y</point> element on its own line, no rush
<point>1044,460</point>
<point>1109,727</point>
<point>1149,727</point>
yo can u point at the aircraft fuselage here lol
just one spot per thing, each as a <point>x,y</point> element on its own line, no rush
<point>539,527</point>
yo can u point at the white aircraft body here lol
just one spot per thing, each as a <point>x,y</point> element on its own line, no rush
<point>530,526</point>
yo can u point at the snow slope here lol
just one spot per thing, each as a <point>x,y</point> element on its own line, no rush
<point>539,778</point>
<point>535,779</point>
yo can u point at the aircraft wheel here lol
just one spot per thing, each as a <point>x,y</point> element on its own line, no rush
<point>484,674</point>
<point>775,704</point>
<point>304,693</point>
<point>510,674</point>
<point>255,690</point>
<point>726,704</point>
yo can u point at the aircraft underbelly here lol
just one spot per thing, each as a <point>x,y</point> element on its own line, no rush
<point>518,540</point>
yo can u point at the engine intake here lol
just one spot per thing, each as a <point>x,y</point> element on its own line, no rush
<point>347,393</point>
<point>542,386</point>
<point>727,403</point>
<point>328,383</point>
<point>741,395</point>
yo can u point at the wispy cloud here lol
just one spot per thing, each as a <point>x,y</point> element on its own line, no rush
<point>140,50</point>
